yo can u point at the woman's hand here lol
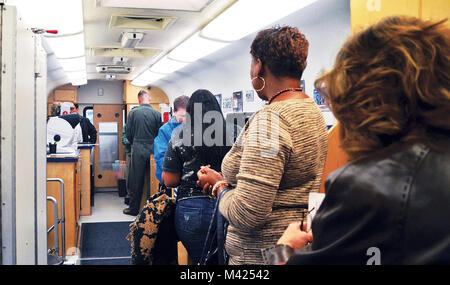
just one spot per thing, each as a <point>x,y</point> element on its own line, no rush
<point>295,237</point>
<point>207,178</point>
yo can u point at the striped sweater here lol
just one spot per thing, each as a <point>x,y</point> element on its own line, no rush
<point>276,162</point>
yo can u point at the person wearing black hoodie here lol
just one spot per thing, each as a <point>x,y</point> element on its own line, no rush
<point>88,130</point>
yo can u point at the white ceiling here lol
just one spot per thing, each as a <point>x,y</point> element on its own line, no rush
<point>97,32</point>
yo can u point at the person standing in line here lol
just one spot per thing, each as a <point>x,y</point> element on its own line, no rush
<point>87,128</point>
<point>165,133</point>
<point>389,89</point>
<point>184,156</point>
<point>142,127</point>
<point>127,149</point>
<point>278,159</point>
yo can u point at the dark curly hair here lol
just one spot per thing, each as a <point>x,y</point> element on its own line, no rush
<point>282,49</point>
<point>391,83</point>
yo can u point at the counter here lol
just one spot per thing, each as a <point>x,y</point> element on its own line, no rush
<point>67,168</point>
<point>86,191</point>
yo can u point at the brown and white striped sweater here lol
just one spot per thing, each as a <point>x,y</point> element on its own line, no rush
<point>277,160</point>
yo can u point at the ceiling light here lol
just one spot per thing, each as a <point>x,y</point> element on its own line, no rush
<point>186,5</point>
<point>229,25</point>
<point>81,81</point>
<point>167,65</point>
<point>146,78</point>
<point>72,75</point>
<point>65,16</point>
<point>73,64</point>
<point>137,22</point>
<point>195,48</point>
<point>67,46</point>
<point>130,40</point>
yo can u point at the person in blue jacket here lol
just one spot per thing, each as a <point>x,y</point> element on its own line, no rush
<point>165,133</point>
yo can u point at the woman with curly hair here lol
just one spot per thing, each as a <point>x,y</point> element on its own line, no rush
<point>390,90</point>
<point>278,158</point>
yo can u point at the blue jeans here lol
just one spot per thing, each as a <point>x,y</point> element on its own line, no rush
<point>192,219</point>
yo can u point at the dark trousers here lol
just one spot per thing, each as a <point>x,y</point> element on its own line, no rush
<point>140,167</point>
<point>127,172</point>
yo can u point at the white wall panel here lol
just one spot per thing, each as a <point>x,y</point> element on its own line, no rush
<point>41,151</point>
<point>25,145</point>
<point>8,155</point>
<point>112,92</point>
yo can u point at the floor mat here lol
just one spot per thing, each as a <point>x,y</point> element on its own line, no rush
<point>100,240</point>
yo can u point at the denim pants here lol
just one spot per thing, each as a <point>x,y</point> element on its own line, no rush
<point>192,219</point>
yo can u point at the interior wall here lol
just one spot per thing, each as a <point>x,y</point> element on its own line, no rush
<point>112,92</point>
<point>326,25</point>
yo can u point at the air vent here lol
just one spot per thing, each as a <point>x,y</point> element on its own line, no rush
<point>113,69</point>
<point>124,52</point>
<point>140,22</point>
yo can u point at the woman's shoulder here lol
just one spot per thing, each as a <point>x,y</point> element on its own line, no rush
<point>387,170</point>
<point>293,110</point>
<point>292,105</point>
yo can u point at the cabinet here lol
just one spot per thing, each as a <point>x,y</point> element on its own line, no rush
<point>66,95</point>
<point>157,96</point>
<point>367,12</point>
<point>435,10</point>
<point>67,169</point>
<point>85,180</point>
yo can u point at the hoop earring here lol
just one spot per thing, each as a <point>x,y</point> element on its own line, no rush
<point>263,80</point>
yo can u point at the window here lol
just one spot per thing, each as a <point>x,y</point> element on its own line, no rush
<point>88,112</point>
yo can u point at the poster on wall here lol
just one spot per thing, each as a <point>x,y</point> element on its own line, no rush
<point>249,96</point>
<point>318,97</point>
<point>237,101</point>
<point>219,99</point>
<point>227,105</point>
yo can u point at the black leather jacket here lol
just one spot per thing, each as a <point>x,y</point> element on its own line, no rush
<point>394,204</point>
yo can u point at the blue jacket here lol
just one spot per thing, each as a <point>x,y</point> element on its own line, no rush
<point>160,144</point>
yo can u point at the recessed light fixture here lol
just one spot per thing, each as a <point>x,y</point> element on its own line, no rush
<point>185,5</point>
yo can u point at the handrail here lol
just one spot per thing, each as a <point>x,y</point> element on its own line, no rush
<point>55,223</point>
<point>63,216</point>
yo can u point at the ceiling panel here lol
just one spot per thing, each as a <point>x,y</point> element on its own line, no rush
<point>184,5</point>
<point>98,33</point>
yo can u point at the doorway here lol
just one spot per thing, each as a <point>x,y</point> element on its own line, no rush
<point>108,120</point>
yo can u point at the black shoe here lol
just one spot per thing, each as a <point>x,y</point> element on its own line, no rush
<point>130,212</point>
<point>127,200</point>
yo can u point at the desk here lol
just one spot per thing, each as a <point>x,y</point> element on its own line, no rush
<point>66,168</point>
<point>85,179</point>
